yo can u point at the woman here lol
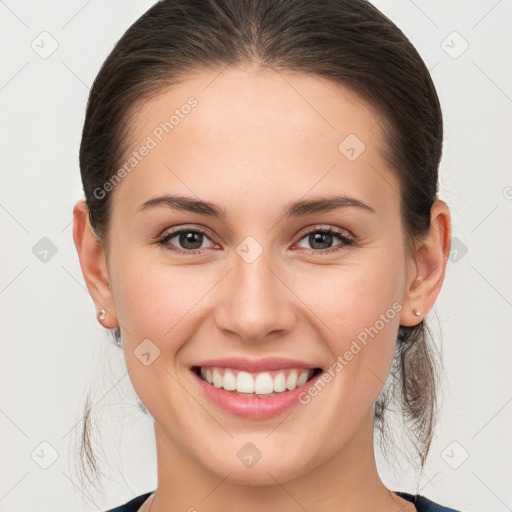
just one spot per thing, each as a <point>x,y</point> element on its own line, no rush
<point>261,228</point>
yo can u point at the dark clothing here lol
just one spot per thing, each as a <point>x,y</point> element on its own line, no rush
<point>421,503</point>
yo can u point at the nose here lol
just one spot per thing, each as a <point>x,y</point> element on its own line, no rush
<point>256,301</point>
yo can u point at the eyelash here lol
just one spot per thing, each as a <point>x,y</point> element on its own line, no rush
<point>330,231</point>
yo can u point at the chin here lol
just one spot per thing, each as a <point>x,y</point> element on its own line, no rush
<point>262,473</point>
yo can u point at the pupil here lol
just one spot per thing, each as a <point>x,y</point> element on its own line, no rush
<point>320,237</point>
<point>188,238</point>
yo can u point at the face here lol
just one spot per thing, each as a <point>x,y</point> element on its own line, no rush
<point>259,281</point>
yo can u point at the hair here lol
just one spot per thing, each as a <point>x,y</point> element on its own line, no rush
<point>349,42</point>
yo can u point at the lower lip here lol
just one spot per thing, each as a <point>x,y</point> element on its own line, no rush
<point>253,407</point>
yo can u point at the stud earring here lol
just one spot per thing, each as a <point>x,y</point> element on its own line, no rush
<point>416,312</point>
<point>101,314</point>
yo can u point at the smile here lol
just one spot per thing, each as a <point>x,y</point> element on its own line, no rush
<point>254,395</point>
<point>261,384</point>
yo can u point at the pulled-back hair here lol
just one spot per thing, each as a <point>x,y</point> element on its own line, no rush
<point>347,41</point>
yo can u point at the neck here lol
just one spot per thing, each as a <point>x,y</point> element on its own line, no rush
<point>346,481</point>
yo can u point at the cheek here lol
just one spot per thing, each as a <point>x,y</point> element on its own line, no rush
<point>357,309</point>
<point>151,299</point>
<point>152,303</point>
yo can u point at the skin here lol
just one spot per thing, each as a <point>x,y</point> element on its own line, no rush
<point>256,141</point>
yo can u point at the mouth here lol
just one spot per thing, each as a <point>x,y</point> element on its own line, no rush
<point>255,389</point>
<point>261,385</point>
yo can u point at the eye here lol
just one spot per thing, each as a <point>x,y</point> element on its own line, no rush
<point>190,239</point>
<point>323,237</point>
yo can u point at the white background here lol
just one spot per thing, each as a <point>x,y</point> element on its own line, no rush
<point>54,351</point>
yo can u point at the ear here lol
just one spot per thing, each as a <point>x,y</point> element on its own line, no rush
<point>426,274</point>
<point>93,262</point>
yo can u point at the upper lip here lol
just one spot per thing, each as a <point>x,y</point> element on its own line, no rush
<point>255,365</point>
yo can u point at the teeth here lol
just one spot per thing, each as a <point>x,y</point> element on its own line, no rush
<point>229,381</point>
<point>217,378</point>
<point>303,377</point>
<point>291,380</point>
<point>244,383</point>
<point>279,382</point>
<point>264,383</point>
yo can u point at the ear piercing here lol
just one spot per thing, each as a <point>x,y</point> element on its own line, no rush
<point>102,313</point>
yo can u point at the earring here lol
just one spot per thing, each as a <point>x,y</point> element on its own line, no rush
<point>416,312</point>
<point>101,314</point>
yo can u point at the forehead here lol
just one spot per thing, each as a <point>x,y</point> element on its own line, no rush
<point>257,135</point>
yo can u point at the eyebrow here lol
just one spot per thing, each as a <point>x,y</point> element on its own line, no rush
<point>295,209</point>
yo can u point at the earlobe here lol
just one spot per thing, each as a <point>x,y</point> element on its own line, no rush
<point>427,274</point>
<point>93,263</point>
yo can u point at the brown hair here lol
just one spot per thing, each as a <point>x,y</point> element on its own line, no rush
<point>347,41</point>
